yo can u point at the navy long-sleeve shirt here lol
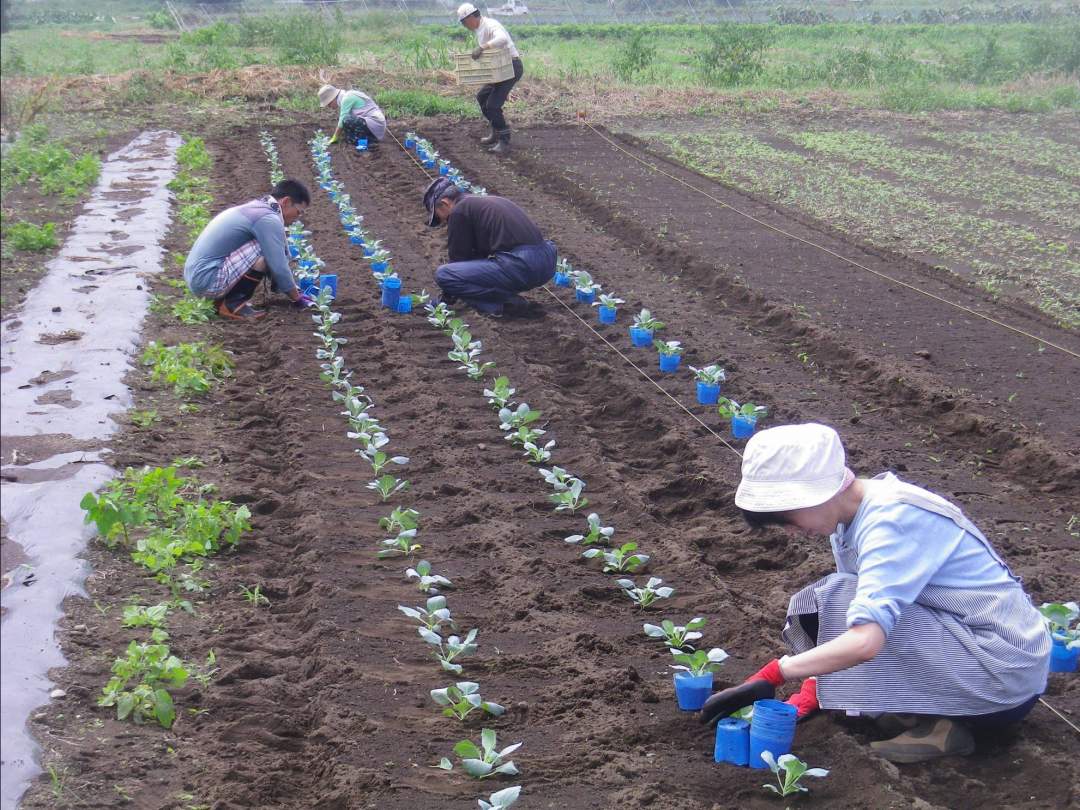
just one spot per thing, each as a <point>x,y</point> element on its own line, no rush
<point>480,225</point>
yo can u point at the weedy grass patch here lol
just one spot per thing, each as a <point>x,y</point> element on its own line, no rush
<point>48,163</point>
<point>29,237</point>
<point>191,369</point>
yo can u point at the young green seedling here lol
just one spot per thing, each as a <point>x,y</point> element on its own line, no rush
<point>675,636</point>
<point>402,545</point>
<point>668,347</point>
<point>449,649</point>
<point>439,315</point>
<point>387,485</point>
<point>500,799</point>
<point>514,419</point>
<point>583,282</point>
<point>645,596</point>
<point>558,478</point>
<point>537,454</point>
<point>524,435</point>
<point>484,760</point>
<point>1059,618</point>
<point>378,459</point>
<point>608,301</point>
<point>621,560</point>
<point>255,596</point>
<point>729,408</point>
<point>595,535</point>
<point>462,698</point>
<point>794,769</point>
<point>710,375</point>
<point>400,520</point>
<point>500,394</point>
<point>645,320</point>
<point>432,616</point>
<point>425,580</point>
<point>140,616</point>
<point>570,500</point>
<point>699,662</point>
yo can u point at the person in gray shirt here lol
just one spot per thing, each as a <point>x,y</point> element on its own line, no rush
<point>241,246</point>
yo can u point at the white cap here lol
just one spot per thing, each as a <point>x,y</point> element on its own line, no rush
<point>327,93</point>
<point>791,467</point>
<point>465,10</point>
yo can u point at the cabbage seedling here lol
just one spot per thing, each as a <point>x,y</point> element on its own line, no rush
<point>596,533</point>
<point>432,616</point>
<point>425,580</point>
<point>729,408</point>
<point>621,560</point>
<point>699,662</point>
<point>794,769</point>
<point>645,596</point>
<point>400,520</point>
<point>499,396</point>
<point>676,637</point>
<point>462,698</point>
<point>536,454</point>
<point>500,799</point>
<point>645,320</point>
<point>514,419</point>
<point>1059,618</point>
<point>450,648</point>
<point>524,435</point>
<point>583,282</point>
<point>475,370</point>
<point>439,314</point>
<point>140,616</point>
<point>569,500</point>
<point>668,347</point>
<point>378,459</point>
<point>483,763</point>
<point>608,301</point>
<point>402,544</point>
<point>710,375</point>
<point>559,478</point>
<point>387,485</point>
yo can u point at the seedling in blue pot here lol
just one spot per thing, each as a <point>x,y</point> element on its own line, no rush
<point>708,383</point>
<point>694,676</point>
<point>643,328</point>
<point>410,140</point>
<point>563,272</point>
<point>670,352</point>
<point>743,417</point>
<point>1060,619</point>
<point>607,308</point>
<point>584,287</point>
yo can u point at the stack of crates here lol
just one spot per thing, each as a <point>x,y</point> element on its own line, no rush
<point>492,67</point>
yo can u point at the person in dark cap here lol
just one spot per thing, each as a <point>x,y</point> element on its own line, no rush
<point>496,251</point>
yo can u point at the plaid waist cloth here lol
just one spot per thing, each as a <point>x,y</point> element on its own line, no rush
<point>235,265</point>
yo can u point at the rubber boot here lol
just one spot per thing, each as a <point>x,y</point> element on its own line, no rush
<point>502,147</point>
<point>491,138</point>
<point>930,738</point>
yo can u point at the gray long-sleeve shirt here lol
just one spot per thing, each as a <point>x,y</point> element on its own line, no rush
<point>234,227</point>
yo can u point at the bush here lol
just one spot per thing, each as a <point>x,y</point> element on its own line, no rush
<point>635,56</point>
<point>306,39</point>
<point>27,236</point>
<point>732,54</point>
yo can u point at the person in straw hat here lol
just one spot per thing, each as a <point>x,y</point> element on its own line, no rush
<point>923,626</point>
<point>358,117</point>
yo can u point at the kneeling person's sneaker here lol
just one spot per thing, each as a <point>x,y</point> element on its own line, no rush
<point>241,312</point>
<point>930,738</point>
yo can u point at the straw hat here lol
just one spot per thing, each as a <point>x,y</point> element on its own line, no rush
<point>327,93</point>
<point>791,467</point>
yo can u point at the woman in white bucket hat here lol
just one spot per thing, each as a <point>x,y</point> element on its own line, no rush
<point>922,626</point>
<point>358,117</point>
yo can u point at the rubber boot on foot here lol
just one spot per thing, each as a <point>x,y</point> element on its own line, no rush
<point>491,138</point>
<point>931,738</point>
<point>502,147</point>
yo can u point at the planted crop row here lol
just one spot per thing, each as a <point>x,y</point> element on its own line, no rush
<point>434,622</point>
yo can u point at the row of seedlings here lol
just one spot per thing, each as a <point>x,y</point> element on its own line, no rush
<point>743,417</point>
<point>434,621</point>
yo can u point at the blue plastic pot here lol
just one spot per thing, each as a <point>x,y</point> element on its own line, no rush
<point>361,144</point>
<point>606,314</point>
<point>328,281</point>
<point>294,251</point>
<point>306,264</point>
<point>309,286</point>
<point>429,163</point>
<point>379,267</point>
<point>391,293</point>
<point>742,427</point>
<point>771,729</point>
<point>1063,659</point>
<point>670,362</point>
<point>444,170</point>
<point>585,297</point>
<point>707,393</point>
<point>404,304</point>
<point>640,337</point>
<point>562,280</point>
<point>410,143</point>
<point>732,741</point>
<point>369,252</point>
<point>691,691</point>
<point>356,239</point>
<point>421,153</point>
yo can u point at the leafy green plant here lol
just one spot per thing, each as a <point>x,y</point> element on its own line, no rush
<point>646,595</point>
<point>402,545</point>
<point>500,799</point>
<point>462,698</point>
<point>558,478</point>
<point>143,419</point>
<point>450,648</point>
<point>142,616</point>
<point>619,560</point>
<point>698,662</point>
<point>635,55</point>
<point>570,499</point>
<point>731,54</point>
<point>193,155</point>
<point>537,454</point>
<point>645,320</point>
<point>387,485</point>
<point>500,394</point>
<point>254,595</point>
<point>520,417</point>
<point>524,435</point>
<point>711,374</point>
<point>30,237</point>
<point>729,408</point>
<point>675,636</point>
<point>152,669</point>
<point>484,760</point>
<point>432,616</point>
<point>794,769</point>
<point>594,533</point>
<point>378,459</point>
<point>400,520</point>
<point>668,347</point>
<point>425,580</point>
<point>606,300</point>
<point>1060,619</point>
<point>192,310</point>
<point>190,368</point>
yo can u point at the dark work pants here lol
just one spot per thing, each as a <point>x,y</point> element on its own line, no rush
<point>488,284</point>
<point>244,288</point>
<point>491,98</point>
<point>355,128</point>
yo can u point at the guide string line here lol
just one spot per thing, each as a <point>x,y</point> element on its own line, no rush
<point>658,387</point>
<point>834,254</point>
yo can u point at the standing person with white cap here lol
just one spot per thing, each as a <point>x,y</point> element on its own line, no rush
<point>492,35</point>
<point>923,625</point>
<point>359,116</point>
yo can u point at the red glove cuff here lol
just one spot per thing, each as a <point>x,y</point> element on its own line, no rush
<point>770,672</point>
<point>805,700</point>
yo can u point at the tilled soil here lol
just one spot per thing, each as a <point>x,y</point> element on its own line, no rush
<point>322,697</point>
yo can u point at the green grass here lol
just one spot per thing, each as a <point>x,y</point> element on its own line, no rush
<point>27,236</point>
<point>419,102</point>
<point>55,169</point>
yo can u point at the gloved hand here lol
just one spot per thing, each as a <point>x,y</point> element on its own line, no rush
<point>477,52</point>
<point>304,301</point>
<point>805,700</point>
<point>334,139</point>
<point>759,686</point>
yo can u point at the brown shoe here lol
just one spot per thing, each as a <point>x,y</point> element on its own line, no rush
<point>242,312</point>
<point>931,738</point>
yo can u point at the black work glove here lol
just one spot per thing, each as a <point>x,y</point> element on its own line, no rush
<point>729,701</point>
<point>477,52</point>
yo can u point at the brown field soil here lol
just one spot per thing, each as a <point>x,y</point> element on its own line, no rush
<point>322,700</point>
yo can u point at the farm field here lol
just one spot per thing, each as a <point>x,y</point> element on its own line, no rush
<point>321,698</point>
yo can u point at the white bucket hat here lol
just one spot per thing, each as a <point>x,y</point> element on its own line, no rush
<point>327,93</point>
<point>465,10</point>
<point>791,467</point>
